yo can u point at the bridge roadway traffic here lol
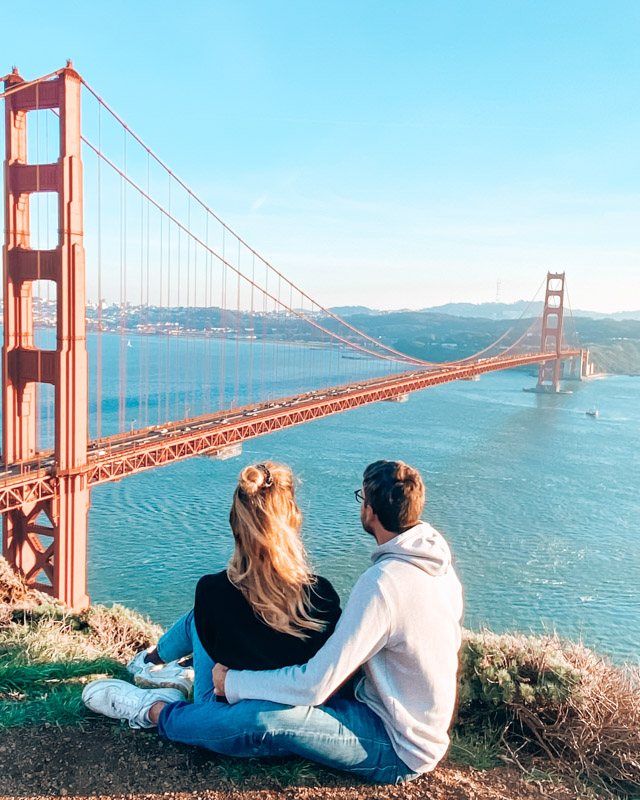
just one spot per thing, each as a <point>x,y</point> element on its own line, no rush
<point>114,457</point>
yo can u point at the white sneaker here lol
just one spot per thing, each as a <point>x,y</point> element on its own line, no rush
<point>138,665</point>
<point>120,700</point>
<point>152,676</point>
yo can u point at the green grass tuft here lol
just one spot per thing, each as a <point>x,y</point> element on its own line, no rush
<point>541,776</point>
<point>48,654</point>
<point>36,679</point>
<point>480,749</point>
<point>61,705</point>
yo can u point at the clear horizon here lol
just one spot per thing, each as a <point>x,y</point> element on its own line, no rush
<point>479,146</point>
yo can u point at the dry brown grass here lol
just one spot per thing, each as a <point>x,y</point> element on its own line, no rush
<point>596,731</point>
<point>14,594</point>
<point>12,588</point>
<point>54,631</point>
<point>119,632</point>
<point>557,701</point>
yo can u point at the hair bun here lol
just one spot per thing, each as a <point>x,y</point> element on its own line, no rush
<point>255,478</point>
<point>251,480</point>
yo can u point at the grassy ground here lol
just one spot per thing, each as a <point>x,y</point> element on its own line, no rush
<point>561,718</point>
<point>44,664</point>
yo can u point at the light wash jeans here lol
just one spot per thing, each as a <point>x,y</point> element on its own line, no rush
<point>182,640</point>
<point>344,734</point>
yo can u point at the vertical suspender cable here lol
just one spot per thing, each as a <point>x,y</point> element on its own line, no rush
<point>294,350</point>
<point>139,352</point>
<point>198,344</point>
<point>339,361</point>
<point>274,350</point>
<point>180,393</point>
<point>167,337</point>
<point>209,295</point>
<point>237,379</point>
<point>146,316</point>
<point>99,334</point>
<point>264,334</point>
<point>251,331</point>
<point>120,319</point>
<point>125,317</point>
<point>310,351</point>
<point>204,345</point>
<point>188,400</point>
<point>161,348</point>
<point>99,342</point>
<point>223,321</point>
<point>304,347</point>
<point>288,337</point>
<point>196,366</point>
<point>306,355</point>
<point>38,386</point>
<point>51,333</point>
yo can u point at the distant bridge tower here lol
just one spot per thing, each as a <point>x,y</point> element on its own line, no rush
<point>552,319</point>
<point>46,540</point>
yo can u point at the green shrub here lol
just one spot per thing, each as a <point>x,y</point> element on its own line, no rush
<point>500,671</point>
<point>555,700</point>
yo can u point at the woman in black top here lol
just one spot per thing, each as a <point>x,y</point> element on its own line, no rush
<point>265,611</point>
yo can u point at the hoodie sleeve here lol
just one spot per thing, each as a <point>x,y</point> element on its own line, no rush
<point>362,631</point>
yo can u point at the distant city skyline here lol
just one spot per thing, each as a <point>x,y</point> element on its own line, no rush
<point>45,310</point>
<point>387,155</point>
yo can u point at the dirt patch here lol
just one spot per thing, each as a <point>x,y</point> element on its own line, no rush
<point>109,760</point>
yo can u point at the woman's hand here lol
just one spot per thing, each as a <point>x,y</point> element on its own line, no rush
<point>219,678</point>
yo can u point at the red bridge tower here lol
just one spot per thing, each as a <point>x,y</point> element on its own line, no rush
<point>46,539</point>
<point>552,318</point>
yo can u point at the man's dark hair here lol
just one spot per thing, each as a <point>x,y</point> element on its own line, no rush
<point>395,492</point>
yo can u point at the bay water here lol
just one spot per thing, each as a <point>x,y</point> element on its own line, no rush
<point>539,502</point>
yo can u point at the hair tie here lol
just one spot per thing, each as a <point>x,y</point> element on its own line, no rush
<point>268,480</point>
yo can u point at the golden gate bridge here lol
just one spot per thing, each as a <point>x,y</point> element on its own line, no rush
<point>204,345</point>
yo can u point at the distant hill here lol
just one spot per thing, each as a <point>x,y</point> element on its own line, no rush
<point>495,311</point>
<point>488,310</point>
<point>351,311</point>
<point>514,310</point>
<point>622,315</point>
<point>437,336</point>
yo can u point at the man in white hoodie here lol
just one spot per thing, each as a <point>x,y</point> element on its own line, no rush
<point>400,629</point>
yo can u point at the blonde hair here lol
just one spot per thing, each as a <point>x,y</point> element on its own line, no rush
<point>269,564</point>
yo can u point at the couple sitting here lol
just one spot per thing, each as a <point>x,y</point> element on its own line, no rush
<point>268,636</point>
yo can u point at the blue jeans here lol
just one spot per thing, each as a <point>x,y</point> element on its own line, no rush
<point>182,640</point>
<point>344,734</point>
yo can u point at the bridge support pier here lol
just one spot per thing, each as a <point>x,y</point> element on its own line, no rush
<point>587,369</point>
<point>46,540</point>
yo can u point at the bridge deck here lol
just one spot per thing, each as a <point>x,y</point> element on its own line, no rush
<point>114,457</point>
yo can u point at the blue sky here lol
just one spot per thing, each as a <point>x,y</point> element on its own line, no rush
<point>391,154</point>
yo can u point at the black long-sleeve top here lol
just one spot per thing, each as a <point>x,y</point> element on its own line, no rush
<point>233,635</point>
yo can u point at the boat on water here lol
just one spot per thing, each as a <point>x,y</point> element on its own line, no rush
<point>592,412</point>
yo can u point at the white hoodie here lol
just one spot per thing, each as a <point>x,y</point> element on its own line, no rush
<point>401,624</point>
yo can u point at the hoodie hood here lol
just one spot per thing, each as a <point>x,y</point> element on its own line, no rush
<point>421,545</point>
